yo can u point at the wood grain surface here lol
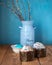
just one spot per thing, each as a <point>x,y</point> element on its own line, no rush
<point>8,57</point>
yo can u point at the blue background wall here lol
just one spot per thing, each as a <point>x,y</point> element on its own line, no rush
<point>41,12</point>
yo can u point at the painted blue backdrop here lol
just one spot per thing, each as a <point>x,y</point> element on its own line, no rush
<point>41,12</point>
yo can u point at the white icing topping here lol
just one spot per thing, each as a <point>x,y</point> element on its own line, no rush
<point>26,48</point>
<point>38,45</point>
<point>16,50</point>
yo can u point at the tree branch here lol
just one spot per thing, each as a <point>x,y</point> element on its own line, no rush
<point>17,10</point>
<point>29,10</point>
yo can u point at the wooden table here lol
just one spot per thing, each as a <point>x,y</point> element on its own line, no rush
<point>7,57</point>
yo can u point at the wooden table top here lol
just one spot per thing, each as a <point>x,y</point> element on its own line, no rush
<point>7,57</point>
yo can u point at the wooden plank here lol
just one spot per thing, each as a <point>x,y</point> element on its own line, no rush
<point>50,48</point>
<point>3,49</point>
<point>35,62</point>
<point>48,59</point>
<point>11,58</point>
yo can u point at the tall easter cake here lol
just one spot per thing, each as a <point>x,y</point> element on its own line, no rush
<point>40,50</point>
<point>27,53</point>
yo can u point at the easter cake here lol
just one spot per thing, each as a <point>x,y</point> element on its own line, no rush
<point>40,50</point>
<point>27,53</point>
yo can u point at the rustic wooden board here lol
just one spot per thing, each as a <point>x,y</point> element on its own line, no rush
<point>11,58</point>
<point>3,50</point>
<point>47,60</point>
<point>7,57</point>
